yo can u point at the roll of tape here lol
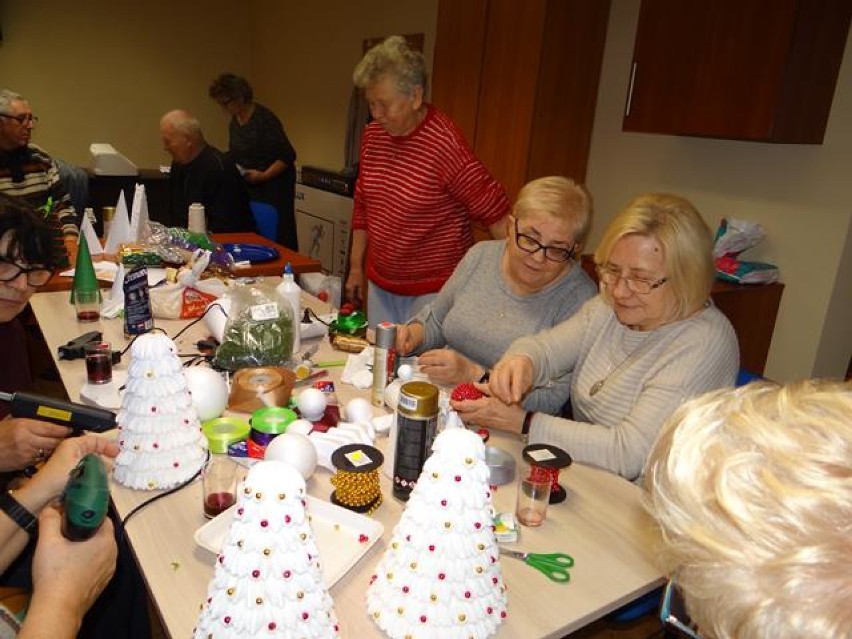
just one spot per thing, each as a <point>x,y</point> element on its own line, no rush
<point>224,431</point>
<point>252,388</point>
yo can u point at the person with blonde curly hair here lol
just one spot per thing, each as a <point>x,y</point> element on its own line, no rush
<point>752,490</point>
<point>419,189</point>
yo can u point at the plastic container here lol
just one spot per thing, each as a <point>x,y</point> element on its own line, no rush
<point>289,292</point>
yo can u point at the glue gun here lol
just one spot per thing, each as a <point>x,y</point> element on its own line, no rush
<point>86,499</point>
<point>76,416</point>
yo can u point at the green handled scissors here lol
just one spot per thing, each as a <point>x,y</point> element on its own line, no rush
<point>553,565</point>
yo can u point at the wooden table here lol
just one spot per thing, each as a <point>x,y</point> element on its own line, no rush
<point>602,525</point>
<point>300,263</point>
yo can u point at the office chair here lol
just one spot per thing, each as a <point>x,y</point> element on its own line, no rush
<point>266,218</point>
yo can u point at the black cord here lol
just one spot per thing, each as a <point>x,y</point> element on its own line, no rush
<point>171,491</point>
<point>309,312</point>
<point>199,318</point>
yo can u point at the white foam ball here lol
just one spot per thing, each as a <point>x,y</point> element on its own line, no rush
<point>295,450</point>
<point>311,403</point>
<point>359,410</point>
<point>405,372</point>
<point>209,391</point>
<point>300,427</point>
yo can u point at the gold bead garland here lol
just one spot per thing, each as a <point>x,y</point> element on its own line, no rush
<point>357,486</point>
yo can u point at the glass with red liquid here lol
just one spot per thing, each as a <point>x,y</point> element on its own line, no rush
<point>218,485</point>
<point>88,305</point>
<point>98,362</point>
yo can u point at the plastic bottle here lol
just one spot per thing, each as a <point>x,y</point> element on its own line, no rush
<point>289,292</point>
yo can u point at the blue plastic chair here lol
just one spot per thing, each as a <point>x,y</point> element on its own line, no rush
<point>744,377</point>
<point>266,218</point>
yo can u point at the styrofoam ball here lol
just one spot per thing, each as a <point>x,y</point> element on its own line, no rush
<point>359,410</point>
<point>296,450</point>
<point>300,427</point>
<point>209,391</point>
<point>311,403</point>
<point>405,372</point>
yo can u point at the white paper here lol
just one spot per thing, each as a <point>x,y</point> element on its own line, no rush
<point>139,214</point>
<point>92,241</point>
<point>119,231</point>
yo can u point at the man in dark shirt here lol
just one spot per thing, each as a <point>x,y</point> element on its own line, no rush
<point>201,173</point>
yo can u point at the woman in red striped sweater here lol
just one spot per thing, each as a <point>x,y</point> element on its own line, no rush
<point>419,188</point>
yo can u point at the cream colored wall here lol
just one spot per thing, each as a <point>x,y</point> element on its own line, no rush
<point>303,54</point>
<point>105,71</point>
<point>801,194</point>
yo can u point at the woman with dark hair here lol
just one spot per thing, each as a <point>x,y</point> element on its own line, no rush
<point>260,147</point>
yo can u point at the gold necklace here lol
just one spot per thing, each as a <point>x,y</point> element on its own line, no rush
<point>595,388</point>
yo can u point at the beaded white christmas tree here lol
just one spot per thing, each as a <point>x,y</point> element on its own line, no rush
<point>440,576</point>
<point>268,581</point>
<point>160,436</point>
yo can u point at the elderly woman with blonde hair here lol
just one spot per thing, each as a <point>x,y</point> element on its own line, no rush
<point>753,492</point>
<point>505,289</point>
<point>648,342</point>
<point>419,189</point>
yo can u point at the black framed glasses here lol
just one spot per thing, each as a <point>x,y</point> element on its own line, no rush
<point>529,244</point>
<point>673,613</point>
<point>610,275</point>
<point>36,275</point>
<point>23,119</point>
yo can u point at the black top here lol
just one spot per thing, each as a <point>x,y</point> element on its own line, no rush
<point>212,180</point>
<point>257,144</point>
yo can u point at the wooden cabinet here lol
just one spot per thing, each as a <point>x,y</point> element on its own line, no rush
<point>761,70</point>
<point>520,79</point>
<point>751,309</point>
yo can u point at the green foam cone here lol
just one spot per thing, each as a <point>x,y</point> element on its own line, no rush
<point>84,271</point>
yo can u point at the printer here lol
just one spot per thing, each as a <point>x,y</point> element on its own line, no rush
<point>107,161</point>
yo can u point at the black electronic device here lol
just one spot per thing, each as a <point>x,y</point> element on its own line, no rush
<point>76,416</point>
<point>75,349</point>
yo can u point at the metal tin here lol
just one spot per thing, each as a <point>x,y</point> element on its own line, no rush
<point>138,318</point>
<point>417,425</point>
<point>383,360</point>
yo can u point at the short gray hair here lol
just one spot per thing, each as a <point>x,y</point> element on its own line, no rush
<point>6,99</point>
<point>183,122</point>
<point>395,59</point>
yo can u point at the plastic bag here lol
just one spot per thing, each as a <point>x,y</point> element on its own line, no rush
<point>259,331</point>
<point>189,295</point>
<point>732,238</point>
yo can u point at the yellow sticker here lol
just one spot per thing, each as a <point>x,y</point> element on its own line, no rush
<point>54,413</point>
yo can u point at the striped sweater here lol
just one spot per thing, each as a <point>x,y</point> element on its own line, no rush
<point>416,197</point>
<point>648,375</point>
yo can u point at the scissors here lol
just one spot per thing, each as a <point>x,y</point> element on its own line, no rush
<point>554,565</point>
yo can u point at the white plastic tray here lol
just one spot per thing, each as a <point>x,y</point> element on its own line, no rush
<point>338,534</point>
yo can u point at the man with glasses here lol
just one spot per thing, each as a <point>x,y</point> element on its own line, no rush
<point>28,173</point>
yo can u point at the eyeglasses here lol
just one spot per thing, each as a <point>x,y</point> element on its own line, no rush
<point>529,244</point>
<point>23,119</point>
<point>610,275</point>
<point>36,275</point>
<point>673,613</point>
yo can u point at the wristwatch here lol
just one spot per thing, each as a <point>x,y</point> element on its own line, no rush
<point>17,513</point>
<point>525,429</point>
<point>486,375</point>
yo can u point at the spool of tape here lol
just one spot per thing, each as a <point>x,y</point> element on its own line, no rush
<point>253,388</point>
<point>266,425</point>
<point>224,431</point>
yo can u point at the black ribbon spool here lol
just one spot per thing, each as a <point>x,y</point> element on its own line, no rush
<point>341,462</point>
<point>560,460</point>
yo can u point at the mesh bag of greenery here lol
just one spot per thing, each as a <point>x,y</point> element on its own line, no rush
<point>259,331</point>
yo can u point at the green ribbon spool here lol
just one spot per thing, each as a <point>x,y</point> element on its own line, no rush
<point>224,431</point>
<point>272,420</point>
<point>353,324</point>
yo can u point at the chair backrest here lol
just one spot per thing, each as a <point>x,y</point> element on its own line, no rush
<point>744,377</point>
<point>266,217</point>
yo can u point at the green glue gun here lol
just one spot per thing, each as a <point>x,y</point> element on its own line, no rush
<point>86,499</point>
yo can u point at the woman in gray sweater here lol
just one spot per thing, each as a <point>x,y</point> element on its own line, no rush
<point>650,341</point>
<point>505,289</point>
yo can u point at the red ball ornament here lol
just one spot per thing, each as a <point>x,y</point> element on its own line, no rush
<point>466,391</point>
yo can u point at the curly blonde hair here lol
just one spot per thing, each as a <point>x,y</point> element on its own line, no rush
<point>752,490</point>
<point>392,57</point>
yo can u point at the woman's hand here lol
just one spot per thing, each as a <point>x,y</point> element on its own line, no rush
<point>355,285</point>
<point>49,482</point>
<point>23,442</point>
<point>446,366</point>
<point>490,412</point>
<point>67,577</point>
<point>511,378</point>
<point>409,337</point>
<point>253,176</point>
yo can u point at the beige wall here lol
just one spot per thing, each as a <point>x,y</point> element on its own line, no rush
<point>801,194</point>
<point>105,71</point>
<point>303,54</point>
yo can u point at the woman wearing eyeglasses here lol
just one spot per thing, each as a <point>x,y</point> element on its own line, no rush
<point>650,341</point>
<point>505,289</point>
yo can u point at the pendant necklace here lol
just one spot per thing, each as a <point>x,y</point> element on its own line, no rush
<point>595,388</point>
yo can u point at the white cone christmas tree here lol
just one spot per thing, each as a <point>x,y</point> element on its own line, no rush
<point>160,436</point>
<point>268,581</point>
<point>440,576</point>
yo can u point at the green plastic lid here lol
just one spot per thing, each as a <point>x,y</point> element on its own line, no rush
<point>272,420</point>
<point>224,431</point>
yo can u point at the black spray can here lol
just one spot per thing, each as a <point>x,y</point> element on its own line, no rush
<point>138,318</point>
<point>416,427</point>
